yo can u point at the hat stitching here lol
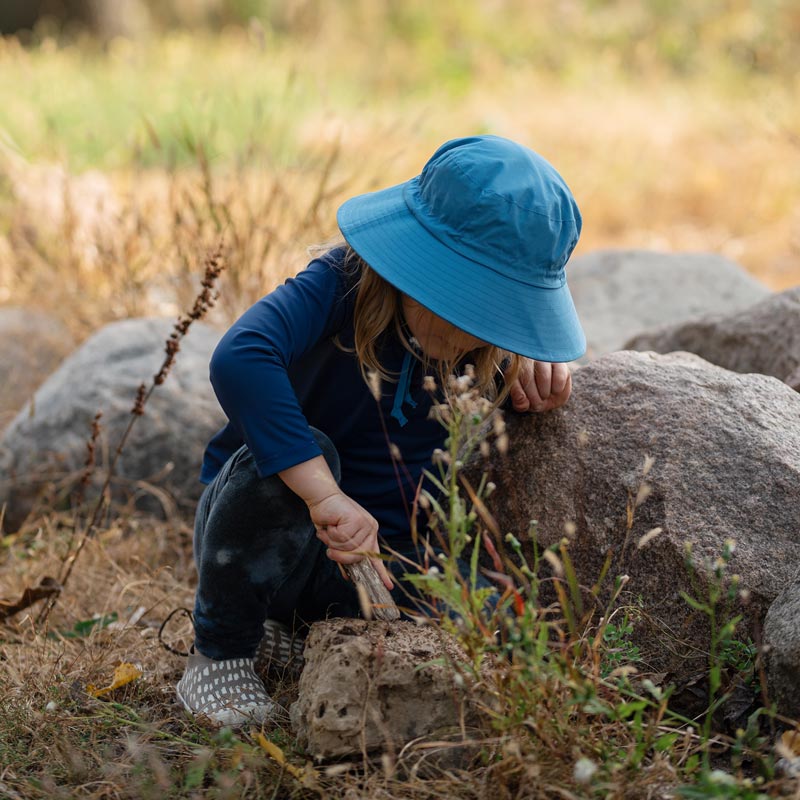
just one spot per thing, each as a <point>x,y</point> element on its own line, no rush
<point>446,244</point>
<point>460,238</point>
<point>511,201</point>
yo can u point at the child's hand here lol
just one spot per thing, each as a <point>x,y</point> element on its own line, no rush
<point>540,386</point>
<point>348,530</point>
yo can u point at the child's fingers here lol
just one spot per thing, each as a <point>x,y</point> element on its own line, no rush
<point>343,556</point>
<point>519,398</point>
<point>535,402</point>
<point>344,538</point>
<point>559,380</point>
<point>543,377</point>
<point>380,568</point>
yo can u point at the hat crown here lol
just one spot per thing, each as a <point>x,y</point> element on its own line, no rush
<point>500,204</point>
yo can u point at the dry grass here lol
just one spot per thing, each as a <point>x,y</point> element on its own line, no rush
<point>704,161</point>
<point>701,160</point>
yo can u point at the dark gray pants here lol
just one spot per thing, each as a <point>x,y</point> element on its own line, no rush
<point>258,557</point>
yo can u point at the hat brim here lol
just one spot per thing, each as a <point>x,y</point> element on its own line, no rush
<point>540,323</point>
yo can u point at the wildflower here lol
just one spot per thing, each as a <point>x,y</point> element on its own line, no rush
<point>463,382</point>
<point>499,425</point>
<point>644,492</point>
<point>484,448</point>
<point>374,384</point>
<point>648,537</point>
<point>744,596</point>
<point>395,451</point>
<point>584,770</point>
<point>502,444</point>
<point>490,487</point>
<point>484,406</point>
<point>433,571</point>
<point>429,383</point>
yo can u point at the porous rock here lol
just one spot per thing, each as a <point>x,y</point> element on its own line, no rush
<point>764,338</point>
<point>47,441</point>
<point>369,686</point>
<point>621,293</point>
<point>32,344</point>
<point>726,465</point>
<point>782,642</point>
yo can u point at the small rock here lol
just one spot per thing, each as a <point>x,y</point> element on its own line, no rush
<point>620,293</point>
<point>369,686</point>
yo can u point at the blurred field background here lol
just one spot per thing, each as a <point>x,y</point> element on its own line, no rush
<point>128,146</point>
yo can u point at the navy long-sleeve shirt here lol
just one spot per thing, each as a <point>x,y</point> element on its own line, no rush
<point>278,370</point>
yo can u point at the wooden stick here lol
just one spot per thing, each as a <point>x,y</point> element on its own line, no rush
<point>376,601</point>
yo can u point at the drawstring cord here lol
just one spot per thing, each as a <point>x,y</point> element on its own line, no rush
<point>402,395</point>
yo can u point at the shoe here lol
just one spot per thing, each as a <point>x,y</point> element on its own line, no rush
<point>228,692</point>
<point>279,650</point>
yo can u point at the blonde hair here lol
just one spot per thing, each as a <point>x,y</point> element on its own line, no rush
<point>378,309</point>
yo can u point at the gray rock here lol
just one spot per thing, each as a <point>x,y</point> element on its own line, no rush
<point>45,444</point>
<point>764,338</point>
<point>620,293</point>
<point>794,380</point>
<point>782,641</point>
<point>368,686</point>
<point>726,465</point>
<point>32,345</point>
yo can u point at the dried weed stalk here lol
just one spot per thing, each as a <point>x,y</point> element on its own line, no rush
<point>203,302</point>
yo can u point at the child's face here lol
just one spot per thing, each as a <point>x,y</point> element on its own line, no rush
<point>438,339</point>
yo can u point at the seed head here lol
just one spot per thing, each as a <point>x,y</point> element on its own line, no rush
<point>374,380</point>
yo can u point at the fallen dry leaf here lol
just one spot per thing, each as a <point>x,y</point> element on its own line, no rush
<point>47,588</point>
<point>303,774</point>
<point>124,674</point>
<point>790,741</point>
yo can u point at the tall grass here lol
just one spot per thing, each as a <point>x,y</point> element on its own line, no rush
<point>676,126</point>
<point>562,676</point>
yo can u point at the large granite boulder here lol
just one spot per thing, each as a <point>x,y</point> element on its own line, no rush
<point>620,293</point>
<point>764,338</point>
<point>45,444</point>
<point>32,344</point>
<point>725,452</point>
<point>370,686</point>
<point>782,643</point>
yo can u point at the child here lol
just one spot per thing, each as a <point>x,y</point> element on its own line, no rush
<point>462,264</point>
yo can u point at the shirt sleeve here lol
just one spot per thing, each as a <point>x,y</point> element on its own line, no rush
<point>249,366</point>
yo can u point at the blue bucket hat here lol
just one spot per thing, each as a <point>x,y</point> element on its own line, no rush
<point>480,238</point>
